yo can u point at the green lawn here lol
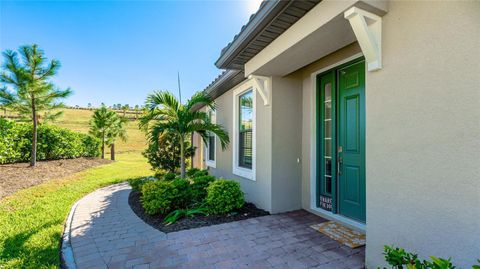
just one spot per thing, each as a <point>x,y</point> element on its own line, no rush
<point>31,220</point>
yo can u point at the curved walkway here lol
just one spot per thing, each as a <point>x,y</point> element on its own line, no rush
<point>106,233</point>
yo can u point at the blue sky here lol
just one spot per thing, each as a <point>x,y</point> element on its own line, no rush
<point>119,51</point>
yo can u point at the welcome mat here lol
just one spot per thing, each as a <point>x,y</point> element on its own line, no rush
<point>341,233</point>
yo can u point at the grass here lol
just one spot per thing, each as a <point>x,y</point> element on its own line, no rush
<point>32,220</point>
<point>77,120</point>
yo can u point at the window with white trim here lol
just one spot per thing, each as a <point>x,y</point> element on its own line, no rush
<point>211,141</point>
<point>244,132</point>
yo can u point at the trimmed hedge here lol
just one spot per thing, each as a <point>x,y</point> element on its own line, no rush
<point>224,196</point>
<point>53,143</point>
<point>163,197</point>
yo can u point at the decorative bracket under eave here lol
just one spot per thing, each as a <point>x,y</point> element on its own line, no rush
<point>368,30</point>
<point>262,85</point>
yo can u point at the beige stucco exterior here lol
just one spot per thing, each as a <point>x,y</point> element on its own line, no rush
<point>422,129</point>
<point>423,133</point>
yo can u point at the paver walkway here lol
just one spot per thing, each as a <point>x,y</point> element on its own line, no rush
<point>106,233</point>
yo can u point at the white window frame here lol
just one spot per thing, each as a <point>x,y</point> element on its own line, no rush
<point>236,169</point>
<point>209,162</point>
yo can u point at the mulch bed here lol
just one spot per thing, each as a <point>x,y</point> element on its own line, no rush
<point>249,210</point>
<point>17,176</point>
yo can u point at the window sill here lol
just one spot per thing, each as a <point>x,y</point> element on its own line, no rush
<point>211,164</point>
<point>244,172</point>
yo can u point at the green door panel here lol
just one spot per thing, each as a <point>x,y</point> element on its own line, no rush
<point>351,141</point>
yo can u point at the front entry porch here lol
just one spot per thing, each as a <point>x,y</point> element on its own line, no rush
<point>106,233</point>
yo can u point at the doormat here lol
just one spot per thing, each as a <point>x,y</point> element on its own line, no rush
<point>341,233</point>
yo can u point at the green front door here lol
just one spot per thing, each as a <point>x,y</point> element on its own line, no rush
<point>351,141</point>
<point>341,140</point>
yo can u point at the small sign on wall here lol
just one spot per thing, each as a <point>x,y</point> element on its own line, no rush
<point>326,202</point>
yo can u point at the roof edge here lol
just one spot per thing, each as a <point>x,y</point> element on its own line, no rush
<point>266,13</point>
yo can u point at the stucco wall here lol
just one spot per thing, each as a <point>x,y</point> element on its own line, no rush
<point>286,143</point>
<point>258,191</point>
<point>423,133</point>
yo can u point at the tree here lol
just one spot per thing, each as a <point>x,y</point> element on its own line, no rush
<point>167,115</point>
<point>115,131</point>
<point>165,153</point>
<point>28,73</point>
<point>125,108</point>
<point>89,105</point>
<point>101,124</point>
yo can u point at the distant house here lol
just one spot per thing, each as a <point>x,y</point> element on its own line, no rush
<point>364,112</point>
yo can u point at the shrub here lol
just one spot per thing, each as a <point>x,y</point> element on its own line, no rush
<point>159,173</point>
<point>182,193</point>
<point>53,143</point>
<point>199,187</point>
<point>157,197</point>
<point>192,172</point>
<point>165,196</point>
<point>165,153</point>
<point>398,258</point>
<point>200,173</point>
<point>224,196</point>
<point>170,176</point>
<point>137,183</point>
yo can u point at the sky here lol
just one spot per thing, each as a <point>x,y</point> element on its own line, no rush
<point>120,51</point>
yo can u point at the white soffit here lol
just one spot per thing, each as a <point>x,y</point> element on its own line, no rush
<point>322,31</point>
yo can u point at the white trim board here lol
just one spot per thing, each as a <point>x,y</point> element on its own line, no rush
<point>236,170</point>
<point>208,162</point>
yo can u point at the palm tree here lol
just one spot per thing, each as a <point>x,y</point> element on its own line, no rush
<point>116,130</point>
<point>101,123</point>
<point>28,74</point>
<point>167,115</point>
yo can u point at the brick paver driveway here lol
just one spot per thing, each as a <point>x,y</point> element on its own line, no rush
<point>105,233</point>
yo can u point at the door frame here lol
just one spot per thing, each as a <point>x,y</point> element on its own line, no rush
<point>314,145</point>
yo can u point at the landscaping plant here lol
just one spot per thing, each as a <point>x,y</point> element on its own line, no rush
<point>398,258</point>
<point>54,143</point>
<point>168,115</point>
<point>223,196</point>
<point>200,173</point>
<point>32,94</point>
<point>192,172</point>
<point>169,176</point>
<point>175,215</point>
<point>164,153</point>
<point>107,126</point>
<point>163,197</point>
<point>199,187</point>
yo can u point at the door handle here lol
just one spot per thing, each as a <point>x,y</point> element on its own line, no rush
<point>339,165</point>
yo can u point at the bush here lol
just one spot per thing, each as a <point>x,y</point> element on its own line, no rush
<point>137,183</point>
<point>157,197</point>
<point>192,172</point>
<point>165,153</point>
<point>159,173</point>
<point>170,176</point>
<point>200,173</point>
<point>398,258</point>
<point>224,196</point>
<point>165,196</point>
<point>53,143</point>
<point>199,187</point>
<point>182,193</point>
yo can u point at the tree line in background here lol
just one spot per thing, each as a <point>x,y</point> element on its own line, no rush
<point>168,123</point>
<point>34,97</point>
